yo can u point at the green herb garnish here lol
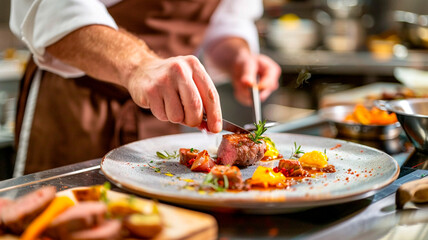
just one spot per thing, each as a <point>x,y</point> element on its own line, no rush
<point>256,136</point>
<point>226,182</point>
<point>296,151</point>
<point>191,150</point>
<point>158,170</point>
<point>212,182</point>
<point>167,155</point>
<point>131,200</point>
<point>104,189</point>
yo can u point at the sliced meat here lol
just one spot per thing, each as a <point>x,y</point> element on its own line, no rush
<point>79,217</point>
<point>203,162</point>
<point>238,149</point>
<point>19,214</point>
<point>108,230</point>
<point>3,205</point>
<point>233,175</point>
<point>187,154</point>
<point>291,168</point>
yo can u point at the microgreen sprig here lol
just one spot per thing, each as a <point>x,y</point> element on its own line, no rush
<point>296,151</point>
<point>256,136</point>
<point>167,155</point>
<point>212,182</point>
<point>104,189</point>
<point>156,169</point>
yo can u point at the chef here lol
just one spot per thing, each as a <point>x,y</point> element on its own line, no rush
<point>106,73</point>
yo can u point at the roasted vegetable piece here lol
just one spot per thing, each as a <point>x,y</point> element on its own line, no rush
<point>55,208</point>
<point>233,175</point>
<point>271,151</point>
<point>145,226</point>
<point>187,154</point>
<point>126,206</point>
<point>88,194</point>
<point>265,177</point>
<point>315,159</point>
<point>291,168</point>
<point>373,116</point>
<point>203,162</point>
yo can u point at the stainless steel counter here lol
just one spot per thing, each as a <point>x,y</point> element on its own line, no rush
<point>371,218</point>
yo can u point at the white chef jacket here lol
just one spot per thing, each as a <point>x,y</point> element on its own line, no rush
<point>40,23</point>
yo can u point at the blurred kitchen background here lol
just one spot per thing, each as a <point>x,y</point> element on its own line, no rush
<point>325,48</point>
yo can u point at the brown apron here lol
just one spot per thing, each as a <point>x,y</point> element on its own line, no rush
<point>83,118</point>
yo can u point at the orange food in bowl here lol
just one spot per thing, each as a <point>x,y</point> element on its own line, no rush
<point>374,116</point>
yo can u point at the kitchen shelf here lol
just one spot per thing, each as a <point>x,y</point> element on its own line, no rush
<point>347,63</point>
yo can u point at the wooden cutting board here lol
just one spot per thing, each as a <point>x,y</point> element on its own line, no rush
<point>179,223</point>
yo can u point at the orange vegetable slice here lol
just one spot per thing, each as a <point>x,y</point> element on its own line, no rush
<point>55,208</point>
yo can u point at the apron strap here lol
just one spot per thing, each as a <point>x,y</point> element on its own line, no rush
<point>27,122</point>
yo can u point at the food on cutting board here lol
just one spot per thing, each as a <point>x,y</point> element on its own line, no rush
<point>373,116</point>
<point>398,93</point>
<point>87,213</point>
<point>243,150</point>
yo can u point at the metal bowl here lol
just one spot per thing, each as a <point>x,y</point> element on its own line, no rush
<point>413,117</point>
<point>336,115</point>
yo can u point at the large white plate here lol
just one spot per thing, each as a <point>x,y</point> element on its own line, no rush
<point>360,172</point>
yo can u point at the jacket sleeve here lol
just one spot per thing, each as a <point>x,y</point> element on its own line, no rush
<point>40,23</point>
<point>236,18</point>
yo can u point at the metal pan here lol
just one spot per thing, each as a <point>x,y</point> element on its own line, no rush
<point>336,115</point>
<point>413,117</point>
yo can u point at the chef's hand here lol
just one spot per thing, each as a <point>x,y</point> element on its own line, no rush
<point>177,89</point>
<point>246,69</point>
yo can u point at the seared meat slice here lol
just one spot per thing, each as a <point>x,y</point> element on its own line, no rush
<point>291,168</point>
<point>187,154</point>
<point>203,162</point>
<point>238,149</point>
<point>79,217</point>
<point>20,213</point>
<point>233,175</point>
<point>108,230</point>
<point>3,205</point>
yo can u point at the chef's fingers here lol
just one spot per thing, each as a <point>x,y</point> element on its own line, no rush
<point>208,93</point>
<point>269,72</point>
<point>173,105</point>
<point>247,72</point>
<point>242,93</point>
<point>188,93</point>
<point>156,105</point>
<point>244,77</point>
